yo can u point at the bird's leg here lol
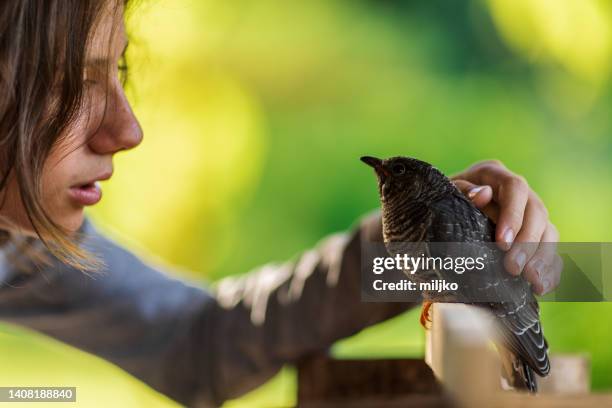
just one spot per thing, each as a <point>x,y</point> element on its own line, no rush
<point>425,316</point>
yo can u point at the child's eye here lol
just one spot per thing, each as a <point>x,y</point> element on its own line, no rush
<point>90,82</point>
<point>91,76</point>
<point>122,71</point>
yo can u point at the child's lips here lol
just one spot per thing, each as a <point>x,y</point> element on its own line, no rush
<point>89,192</point>
<point>86,194</point>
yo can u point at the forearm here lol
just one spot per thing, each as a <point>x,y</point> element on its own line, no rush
<point>278,314</point>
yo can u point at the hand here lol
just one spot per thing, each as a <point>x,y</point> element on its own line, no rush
<point>521,217</point>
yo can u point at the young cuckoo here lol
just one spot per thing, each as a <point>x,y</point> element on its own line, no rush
<point>421,205</point>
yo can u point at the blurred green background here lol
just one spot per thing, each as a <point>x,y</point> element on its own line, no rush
<point>255,113</point>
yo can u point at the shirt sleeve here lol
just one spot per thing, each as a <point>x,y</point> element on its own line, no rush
<point>200,347</point>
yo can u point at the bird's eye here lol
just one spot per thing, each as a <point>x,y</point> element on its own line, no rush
<point>398,169</point>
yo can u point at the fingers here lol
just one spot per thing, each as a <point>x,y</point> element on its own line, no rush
<point>513,196</point>
<point>534,223</point>
<point>550,276</point>
<point>511,193</point>
<point>492,211</point>
<point>480,195</point>
<point>543,270</point>
<point>555,275</point>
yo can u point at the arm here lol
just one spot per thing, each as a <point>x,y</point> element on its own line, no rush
<point>196,347</point>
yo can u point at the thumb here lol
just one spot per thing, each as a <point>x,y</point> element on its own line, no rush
<point>478,194</point>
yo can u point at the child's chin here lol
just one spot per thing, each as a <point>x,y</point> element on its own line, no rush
<point>73,221</point>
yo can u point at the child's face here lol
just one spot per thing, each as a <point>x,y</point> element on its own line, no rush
<point>104,126</point>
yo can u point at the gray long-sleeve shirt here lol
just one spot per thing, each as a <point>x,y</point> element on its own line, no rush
<point>198,347</point>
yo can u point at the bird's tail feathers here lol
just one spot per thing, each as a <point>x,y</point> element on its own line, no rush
<point>516,372</point>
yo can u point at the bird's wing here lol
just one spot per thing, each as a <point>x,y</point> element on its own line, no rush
<point>456,230</point>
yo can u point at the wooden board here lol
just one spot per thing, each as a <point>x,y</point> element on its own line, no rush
<point>462,369</point>
<point>323,380</point>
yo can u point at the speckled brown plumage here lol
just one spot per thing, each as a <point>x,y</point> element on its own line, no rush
<point>421,205</point>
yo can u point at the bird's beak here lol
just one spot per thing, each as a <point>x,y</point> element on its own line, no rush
<point>376,164</point>
<point>371,161</point>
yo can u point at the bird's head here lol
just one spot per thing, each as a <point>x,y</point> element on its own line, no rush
<point>406,186</point>
<point>404,179</point>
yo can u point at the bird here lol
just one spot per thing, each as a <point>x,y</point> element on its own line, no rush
<point>421,205</point>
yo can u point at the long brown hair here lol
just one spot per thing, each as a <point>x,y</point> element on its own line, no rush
<point>42,56</point>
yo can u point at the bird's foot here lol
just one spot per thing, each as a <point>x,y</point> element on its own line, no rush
<point>425,315</point>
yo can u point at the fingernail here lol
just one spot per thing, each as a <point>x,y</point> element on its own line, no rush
<point>546,284</point>
<point>539,268</point>
<point>520,259</point>
<point>472,193</point>
<point>508,237</point>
